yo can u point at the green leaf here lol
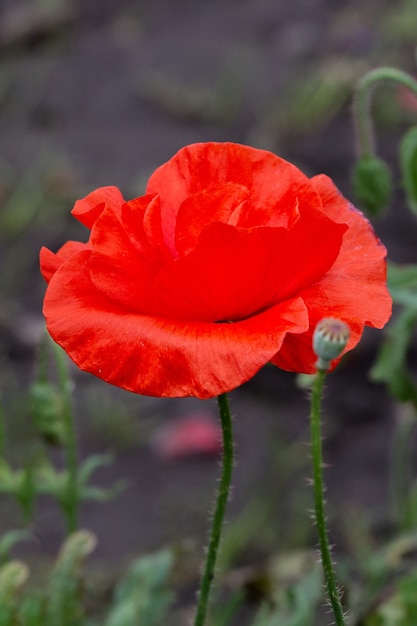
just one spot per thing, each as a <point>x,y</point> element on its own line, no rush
<point>400,607</point>
<point>12,576</point>
<point>9,540</point>
<point>98,494</point>
<point>391,364</point>
<point>142,598</point>
<point>32,610</point>
<point>91,492</point>
<point>389,558</point>
<point>91,464</point>
<point>294,604</point>
<point>402,284</point>
<point>65,597</point>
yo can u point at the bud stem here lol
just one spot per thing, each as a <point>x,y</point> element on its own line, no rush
<point>326,558</point>
<point>362,103</point>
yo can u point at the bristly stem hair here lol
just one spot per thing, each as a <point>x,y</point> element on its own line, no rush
<point>318,485</point>
<point>218,517</point>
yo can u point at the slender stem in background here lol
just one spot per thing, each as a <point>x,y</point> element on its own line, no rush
<point>326,558</point>
<point>70,501</point>
<point>2,429</point>
<point>362,103</point>
<point>43,359</point>
<point>401,467</point>
<point>221,502</point>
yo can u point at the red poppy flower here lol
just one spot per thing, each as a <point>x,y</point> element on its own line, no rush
<point>227,263</point>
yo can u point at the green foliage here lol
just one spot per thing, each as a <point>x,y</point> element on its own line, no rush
<point>64,605</point>
<point>32,610</point>
<point>372,184</point>
<point>381,572</point>
<point>61,603</point>
<point>400,22</point>
<point>9,540</point>
<point>408,160</point>
<point>387,560</point>
<point>222,613</point>
<point>46,408</point>
<point>142,597</point>
<point>294,604</point>
<point>238,535</point>
<point>400,607</point>
<point>20,484</point>
<point>391,365</point>
<point>12,576</point>
<point>50,408</point>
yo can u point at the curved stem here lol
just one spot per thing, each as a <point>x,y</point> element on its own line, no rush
<point>362,103</point>
<point>221,502</point>
<point>326,558</point>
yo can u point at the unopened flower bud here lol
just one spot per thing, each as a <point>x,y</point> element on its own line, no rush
<point>46,407</point>
<point>329,340</point>
<point>372,184</point>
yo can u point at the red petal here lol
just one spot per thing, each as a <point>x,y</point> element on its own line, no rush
<point>216,204</point>
<point>235,273</point>
<point>50,262</point>
<point>358,277</point>
<point>88,209</point>
<point>273,183</point>
<point>353,290</point>
<point>122,265</point>
<point>156,356</point>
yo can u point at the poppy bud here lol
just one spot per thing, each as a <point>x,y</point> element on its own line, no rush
<point>46,407</point>
<point>329,340</point>
<point>372,184</point>
<point>408,159</point>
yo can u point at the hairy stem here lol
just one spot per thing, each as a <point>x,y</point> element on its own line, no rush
<point>221,502</point>
<point>363,99</point>
<point>326,558</point>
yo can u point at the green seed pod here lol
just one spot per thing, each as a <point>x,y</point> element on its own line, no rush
<point>408,161</point>
<point>372,185</point>
<point>46,408</point>
<point>329,340</point>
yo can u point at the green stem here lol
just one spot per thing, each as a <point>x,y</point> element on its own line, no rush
<point>221,502</point>
<point>326,558</point>
<point>43,359</point>
<point>70,500</point>
<point>401,470</point>
<point>2,429</point>
<point>362,103</point>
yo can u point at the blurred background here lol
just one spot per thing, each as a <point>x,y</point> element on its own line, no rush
<point>101,92</point>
